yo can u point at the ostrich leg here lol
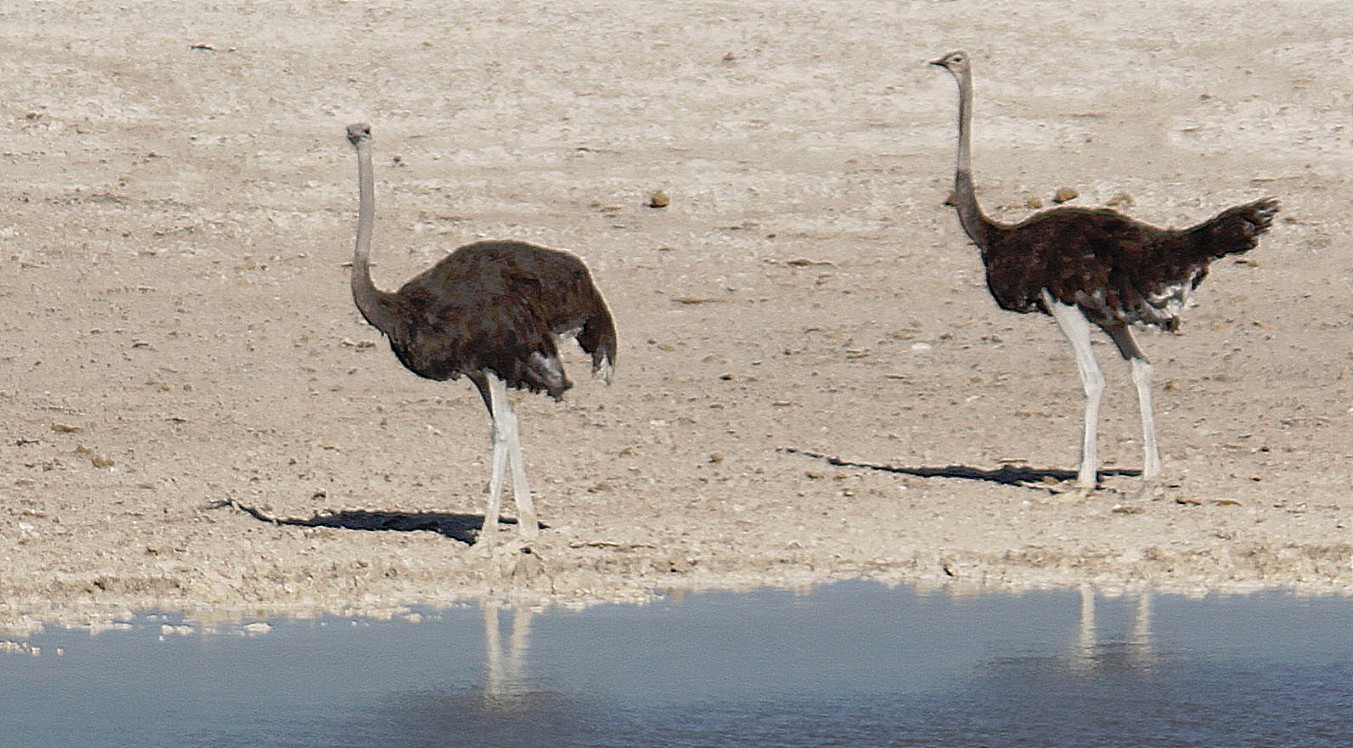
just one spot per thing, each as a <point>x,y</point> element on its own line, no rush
<point>1141,377</point>
<point>488,531</point>
<point>507,448</point>
<point>1076,328</point>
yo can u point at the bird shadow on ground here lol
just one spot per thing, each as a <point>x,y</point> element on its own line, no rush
<point>462,527</point>
<point>1006,475</point>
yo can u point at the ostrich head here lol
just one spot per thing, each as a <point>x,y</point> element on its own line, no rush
<point>955,62</point>
<point>359,132</point>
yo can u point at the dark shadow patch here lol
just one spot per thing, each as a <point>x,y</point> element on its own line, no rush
<point>1006,475</point>
<point>462,527</point>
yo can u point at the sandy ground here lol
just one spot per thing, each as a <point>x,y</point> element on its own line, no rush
<point>813,383</point>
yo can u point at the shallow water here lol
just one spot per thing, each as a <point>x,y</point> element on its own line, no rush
<point>852,664</point>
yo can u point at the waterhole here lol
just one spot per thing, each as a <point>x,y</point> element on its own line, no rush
<point>850,664</point>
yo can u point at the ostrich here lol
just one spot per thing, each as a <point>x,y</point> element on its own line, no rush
<point>491,311</point>
<point>1088,265</point>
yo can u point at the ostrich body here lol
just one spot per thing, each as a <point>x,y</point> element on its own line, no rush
<point>490,311</point>
<point>1087,265</point>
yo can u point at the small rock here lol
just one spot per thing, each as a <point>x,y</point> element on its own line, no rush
<point>1065,194</point>
<point>658,199</point>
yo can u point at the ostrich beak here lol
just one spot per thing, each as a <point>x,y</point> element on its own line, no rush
<point>938,62</point>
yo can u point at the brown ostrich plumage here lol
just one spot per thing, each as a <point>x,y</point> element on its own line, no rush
<point>490,311</point>
<point>1094,265</point>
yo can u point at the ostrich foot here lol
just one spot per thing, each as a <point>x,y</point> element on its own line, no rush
<point>488,534</point>
<point>1069,492</point>
<point>528,525</point>
<point>499,544</point>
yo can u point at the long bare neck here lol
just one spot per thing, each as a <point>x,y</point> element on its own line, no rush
<point>970,215</point>
<point>371,301</point>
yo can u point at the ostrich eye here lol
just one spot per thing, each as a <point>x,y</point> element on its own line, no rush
<point>958,59</point>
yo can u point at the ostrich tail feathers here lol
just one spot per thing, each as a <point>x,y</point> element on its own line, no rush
<point>1238,229</point>
<point>598,338</point>
<point>604,367</point>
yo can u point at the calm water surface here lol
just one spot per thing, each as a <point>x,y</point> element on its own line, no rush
<point>852,664</point>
